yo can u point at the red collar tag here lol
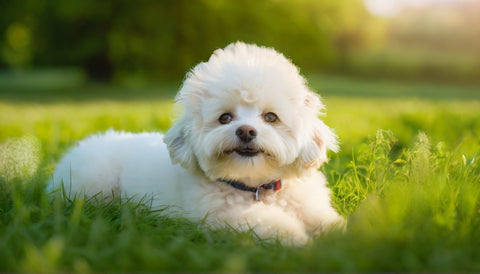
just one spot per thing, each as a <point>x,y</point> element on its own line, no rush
<point>277,185</point>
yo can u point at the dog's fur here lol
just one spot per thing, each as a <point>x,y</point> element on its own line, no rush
<point>246,82</point>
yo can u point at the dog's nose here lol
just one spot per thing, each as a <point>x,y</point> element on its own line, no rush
<point>246,133</point>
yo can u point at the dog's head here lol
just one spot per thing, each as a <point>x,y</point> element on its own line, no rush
<point>247,112</point>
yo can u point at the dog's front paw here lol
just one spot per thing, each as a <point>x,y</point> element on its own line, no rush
<point>272,225</point>
<point>286,236</point>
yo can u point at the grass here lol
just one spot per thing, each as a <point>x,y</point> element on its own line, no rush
<point>407,178</point>
<point>415,63</point>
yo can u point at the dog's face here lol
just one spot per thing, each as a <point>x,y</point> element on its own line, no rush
<point>247,113</point>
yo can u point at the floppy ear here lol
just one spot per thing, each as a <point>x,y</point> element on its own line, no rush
<point>179,146</point>
<point>319,139</point>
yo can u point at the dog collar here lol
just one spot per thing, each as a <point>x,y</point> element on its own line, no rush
<point>274,185</point>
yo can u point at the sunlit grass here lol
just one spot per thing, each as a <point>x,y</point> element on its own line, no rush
<point>407,178</point>
<point>454,122</point>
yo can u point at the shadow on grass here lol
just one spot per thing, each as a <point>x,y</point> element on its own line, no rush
<point>54,85</point>
<point>66,85</point>
<point>343,86</point>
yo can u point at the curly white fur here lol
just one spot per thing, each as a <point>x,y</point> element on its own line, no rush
<point>247,82</point>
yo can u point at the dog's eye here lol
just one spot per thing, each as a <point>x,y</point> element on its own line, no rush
<point>270,117</point>
<point>225,118</point>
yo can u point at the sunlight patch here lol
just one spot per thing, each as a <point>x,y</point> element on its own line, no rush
<point>19,158</point>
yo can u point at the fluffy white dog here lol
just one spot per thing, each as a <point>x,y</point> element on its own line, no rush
<point>245,152</point>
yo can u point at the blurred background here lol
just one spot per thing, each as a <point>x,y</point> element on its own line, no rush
<point>400,79</point>
<point>135,41</point>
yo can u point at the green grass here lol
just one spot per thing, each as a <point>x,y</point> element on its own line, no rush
<point>407,178</point>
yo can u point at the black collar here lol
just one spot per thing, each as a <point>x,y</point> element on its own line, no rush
<point>275,185</point>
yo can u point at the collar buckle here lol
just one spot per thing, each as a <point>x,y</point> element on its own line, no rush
<point>275,185</point>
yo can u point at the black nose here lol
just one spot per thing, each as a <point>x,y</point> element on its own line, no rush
<point>246,133</point>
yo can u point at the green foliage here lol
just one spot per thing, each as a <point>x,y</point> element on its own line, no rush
<point>166,38</point>
<point>123,40</point>
<point>410,191</point>
<point>426,199</point>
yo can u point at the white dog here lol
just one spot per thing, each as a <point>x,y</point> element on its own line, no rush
<point>245,152</point>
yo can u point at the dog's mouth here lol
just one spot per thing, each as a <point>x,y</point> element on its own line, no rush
<point>245,151</point>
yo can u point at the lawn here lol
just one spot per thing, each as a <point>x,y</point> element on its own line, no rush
<point>407,178</point>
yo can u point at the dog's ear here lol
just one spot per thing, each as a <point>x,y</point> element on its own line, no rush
<point>320,137</point>
<point>179,146</point>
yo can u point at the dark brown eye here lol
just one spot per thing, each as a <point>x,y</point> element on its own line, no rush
<point>225,118</point>
<point>270,117</point>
